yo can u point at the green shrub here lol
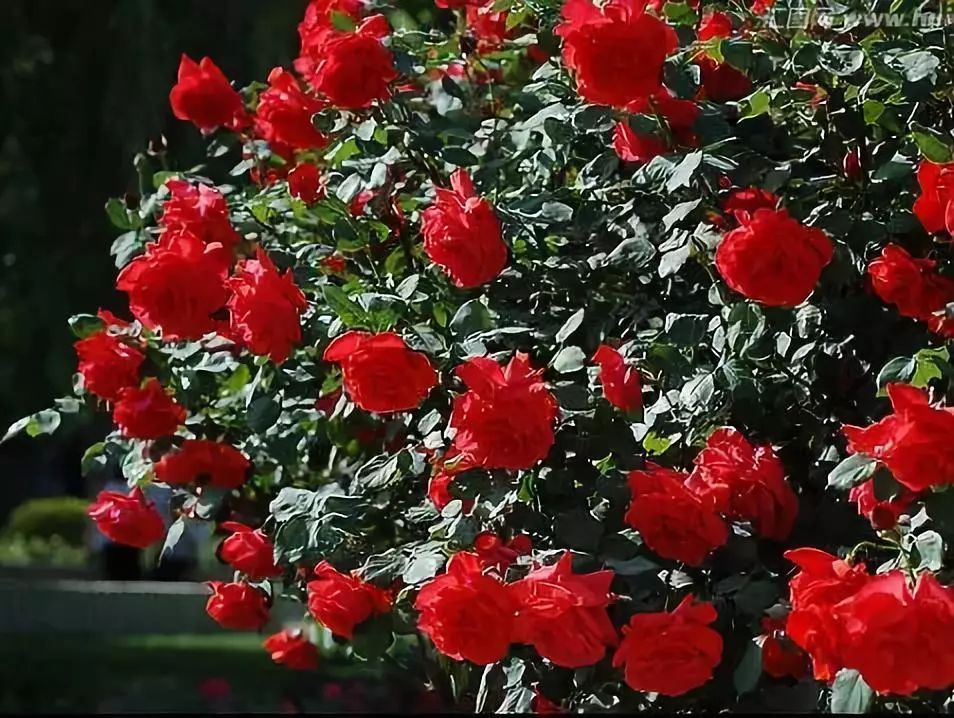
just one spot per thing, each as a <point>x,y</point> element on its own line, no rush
<point>63,516</point>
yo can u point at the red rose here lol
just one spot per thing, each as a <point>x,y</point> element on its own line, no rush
<point>851,165</point>
<point>239,606</point>
<point>670,653</point>
<point>497,554</point>
<point>715,24</point>
<point>203,462</point>
<point>355,69</point>
<point>199,210</point>
<point>622,385</point>
<point>340,602</point>
<point>721,82</point>
<point>147,412</point>
<point>265,308</point>
<point>318,26</point>
<point>108,364</point>
<point>781,657</point>
<point>369,365</point>
<point>773,258</point>
<point>462,234</point>
<point>177,285</point>
<point>934,207</point>
<point>469,615</point>
<point>673,521</point>
<point>823,582</point>
<point>632,147</point>
<point>456,4</point>
<point>914,287</point>
<point>742,203</point>
<point>505,419</point>
<point>914,442</point>
<point>745,482</point>
<point>438,487</point>
<point>249,551</point>
<point>335,263</point>
<point>489,27</point>
<point>291,648</point>
<point>883,514</point>
<point>284,113</point>
<point>897,639</point>
<point>542,705</point>
<point>304,183</point>
<point>679,115</point>
<point>616,51</point>
<point>563,615</point>
<point>128,520</point>
<point>204,97</point>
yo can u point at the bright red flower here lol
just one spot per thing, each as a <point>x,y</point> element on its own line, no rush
<point>671,519</point>
<point>108,364</point>
<point>934,207</point>
<point>318,25</point>
<point>462,234</point>
<point>489,27</point>
<point>742,203</point>
<point>203,462</point>
<point>670,653</point>
<point>721,82</point>
<point>284,113</point>
<point>851,165</point>
<point>265,308</point>
<point>883,514</point>
<point>291,648</point>
<point>622,385</point>
<point>715,24</point>
<point>680,115</point>
<point>616,51</point>
<point>745,482</point>
<point>177,285</point>
<point>369,365</point>
<point>355,68</point>
<point>914,442</point>
<point>773,258</point>
<point>781,657</point>
<point>147,412</point>
<point>249,551</point>
<point>497,554</point>
<point>469,615</point>
<point>128,520</point>
<point>633,147</point>
<point>563,614</point>
<point>505,419</point>
<point>239,606</point>
<point>204,97</point>
<point>438,487</point>
<point>914,287</point>
<point>304,182</point>
<point>823,582</point>
<point>335,263</point>
<point>340,601</point>
<point>199,210</point>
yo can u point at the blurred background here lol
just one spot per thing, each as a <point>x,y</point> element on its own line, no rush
<point>84,85</point>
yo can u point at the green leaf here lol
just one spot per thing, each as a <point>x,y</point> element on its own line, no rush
<point>569,359</point>
<point>121,217</point>
<point>633,252</point>
<point>850,693</point>
<point>746,675</point>
<point>262,414</point>
<point>854,470</point>
<point>684,172</point>
<point>569,326</point>
<point>348,311</point>
<point>83,325</point>
<point>930,547</point>
<point>933,145</point>
<point>43,422</point>
<point>899,369</point>
<point>472,317</point>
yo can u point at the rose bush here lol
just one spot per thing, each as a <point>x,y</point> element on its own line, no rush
<point>573,355</point>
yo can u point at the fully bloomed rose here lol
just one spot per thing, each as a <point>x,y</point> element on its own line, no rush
<point>622,385</point>
<point>341,601</point>
<point>671,519</point>
<point>467,614</point>
<point>265,308</point>
<point>203,462</point>
<point>670,653</point>
<point>283,116</point>
<point>204,97</point>
<point>304,182</point>
<point>487,25</point>
<point>290,648</point>
<point>505,418</point>
<point>715,24</point>
<point>563,614</point>
<point>249,551</point>
<point>745,482</point>
<point>147,412</point>
<point>130,520</point>
<point>199,210</point>
<point>462,234</point>
<point>934,207</point>
<point>721,82</point>
<point>773,258</point>
<point>108,364</point>
<point>914,442</point>
<point>381,373</point>
<point>355,69</point>
<point>318,25</point>
<point>615,51</point>
<point>239,606</point>
<point>177,285</point>
<point>914,287</point>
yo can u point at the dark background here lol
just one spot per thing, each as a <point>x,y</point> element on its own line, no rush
<point>84,85</point>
